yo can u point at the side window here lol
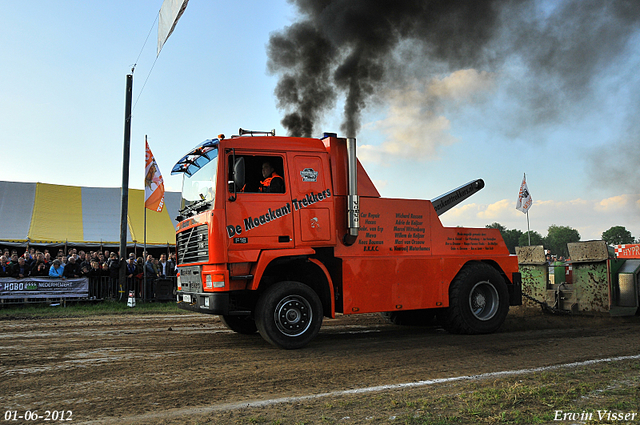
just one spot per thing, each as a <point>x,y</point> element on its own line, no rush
<point>263,174</point>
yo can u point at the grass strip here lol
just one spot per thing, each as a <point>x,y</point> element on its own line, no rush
<point>581,395</point>
<point>84,309</point>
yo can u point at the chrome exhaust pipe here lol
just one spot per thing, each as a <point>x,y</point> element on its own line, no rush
<point>353,200</point>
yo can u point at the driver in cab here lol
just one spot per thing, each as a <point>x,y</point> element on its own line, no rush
<point>272,182</point>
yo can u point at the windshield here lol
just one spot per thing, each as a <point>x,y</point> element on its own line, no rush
<point>200,187</point>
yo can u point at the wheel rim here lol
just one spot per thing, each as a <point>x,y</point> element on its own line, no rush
<point>484,301</point>
<point>293,315</point>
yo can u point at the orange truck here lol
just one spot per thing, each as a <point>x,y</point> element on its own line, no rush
<point>326,242</point>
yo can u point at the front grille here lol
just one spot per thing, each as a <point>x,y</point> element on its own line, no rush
<point>193,245</point>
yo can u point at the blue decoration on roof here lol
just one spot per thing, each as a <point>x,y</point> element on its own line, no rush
<point>197,158</point>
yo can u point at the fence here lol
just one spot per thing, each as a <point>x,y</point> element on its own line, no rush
<point>97,288</point>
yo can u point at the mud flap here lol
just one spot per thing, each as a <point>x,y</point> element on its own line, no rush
<point>515,290</point>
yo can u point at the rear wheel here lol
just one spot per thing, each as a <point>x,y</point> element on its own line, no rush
<point>289,315</point>
<point>478,301</point>
<point>241,324</point>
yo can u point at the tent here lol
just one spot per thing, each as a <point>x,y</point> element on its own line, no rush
<point>49,214</point>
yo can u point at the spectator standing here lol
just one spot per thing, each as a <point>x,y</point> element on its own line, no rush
<point>14,260</point>
<point>131,268</point>
<point>28,259</point>
<point>86,263</point>
<point>21,270</point>
<point>165,267</point>
<point>152,274</point>
<point>114,272</point>
<point>39,269</point>
<point>72,270</point>
<point>36,265</point>
<point>94,270</point>
<point>5,270</point>
<point>57,269</point>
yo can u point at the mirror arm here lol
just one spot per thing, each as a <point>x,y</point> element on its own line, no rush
<point>233,197</point>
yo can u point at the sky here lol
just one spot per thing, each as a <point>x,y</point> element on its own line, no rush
<point>559,102</point>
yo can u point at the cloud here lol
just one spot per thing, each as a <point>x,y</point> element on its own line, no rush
<point>497,210</point>
<point>615,203</point>
<point>416,125</point>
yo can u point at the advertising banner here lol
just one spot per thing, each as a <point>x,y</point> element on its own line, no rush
<point>43,287</point>
<point>628,251</point>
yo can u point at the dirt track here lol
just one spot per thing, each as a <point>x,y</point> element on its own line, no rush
<point>105,368</point>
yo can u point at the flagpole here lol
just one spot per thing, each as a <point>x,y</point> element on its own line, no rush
<point>144,258</point>
<point>528,228</point>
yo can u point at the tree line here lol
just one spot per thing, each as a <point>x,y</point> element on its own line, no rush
<point>558,237</point>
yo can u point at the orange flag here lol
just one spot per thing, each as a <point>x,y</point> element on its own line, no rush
<point>153,183</point>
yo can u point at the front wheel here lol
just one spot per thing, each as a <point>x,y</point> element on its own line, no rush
<point>289,315</point>
<point>478,301</point>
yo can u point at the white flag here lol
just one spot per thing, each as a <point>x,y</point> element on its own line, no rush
<point>524,197</point>
<point>170,12</point>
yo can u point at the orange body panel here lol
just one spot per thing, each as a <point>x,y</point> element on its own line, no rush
<point>403,258</point>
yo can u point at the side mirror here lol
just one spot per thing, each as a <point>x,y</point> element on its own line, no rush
<point>237,182</point>
<point>238,174</point>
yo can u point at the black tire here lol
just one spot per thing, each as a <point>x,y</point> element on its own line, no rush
<point>289,315</point>
<point>423,317</point>
<point>478,301</point>
<point>241,324</point>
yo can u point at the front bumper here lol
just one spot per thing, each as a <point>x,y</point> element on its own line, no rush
<point>211,303</point>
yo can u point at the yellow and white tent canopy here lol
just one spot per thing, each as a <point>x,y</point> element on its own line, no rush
<point>41,213</point>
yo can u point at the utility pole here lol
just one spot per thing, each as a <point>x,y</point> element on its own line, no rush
<point>126,153</point>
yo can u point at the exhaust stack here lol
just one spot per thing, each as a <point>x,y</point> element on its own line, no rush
<point>353,201</point>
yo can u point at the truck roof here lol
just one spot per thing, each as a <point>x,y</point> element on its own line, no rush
<point>270,143</point>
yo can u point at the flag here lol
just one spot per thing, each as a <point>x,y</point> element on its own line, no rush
<point>524,197</point>
<point>170,12</point>
<point>153,183</point>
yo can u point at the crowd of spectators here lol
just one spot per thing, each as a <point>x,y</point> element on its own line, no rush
<point>76,264</point>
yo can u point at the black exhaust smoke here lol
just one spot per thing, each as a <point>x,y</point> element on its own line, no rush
<point>347,47</point>
<point>353,49</point>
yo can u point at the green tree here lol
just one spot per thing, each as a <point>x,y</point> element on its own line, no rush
<point>536,238</point>
<point>558,237</point>
<point>510,236</point>
<point>617,235</point>
<point>496,225</point>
